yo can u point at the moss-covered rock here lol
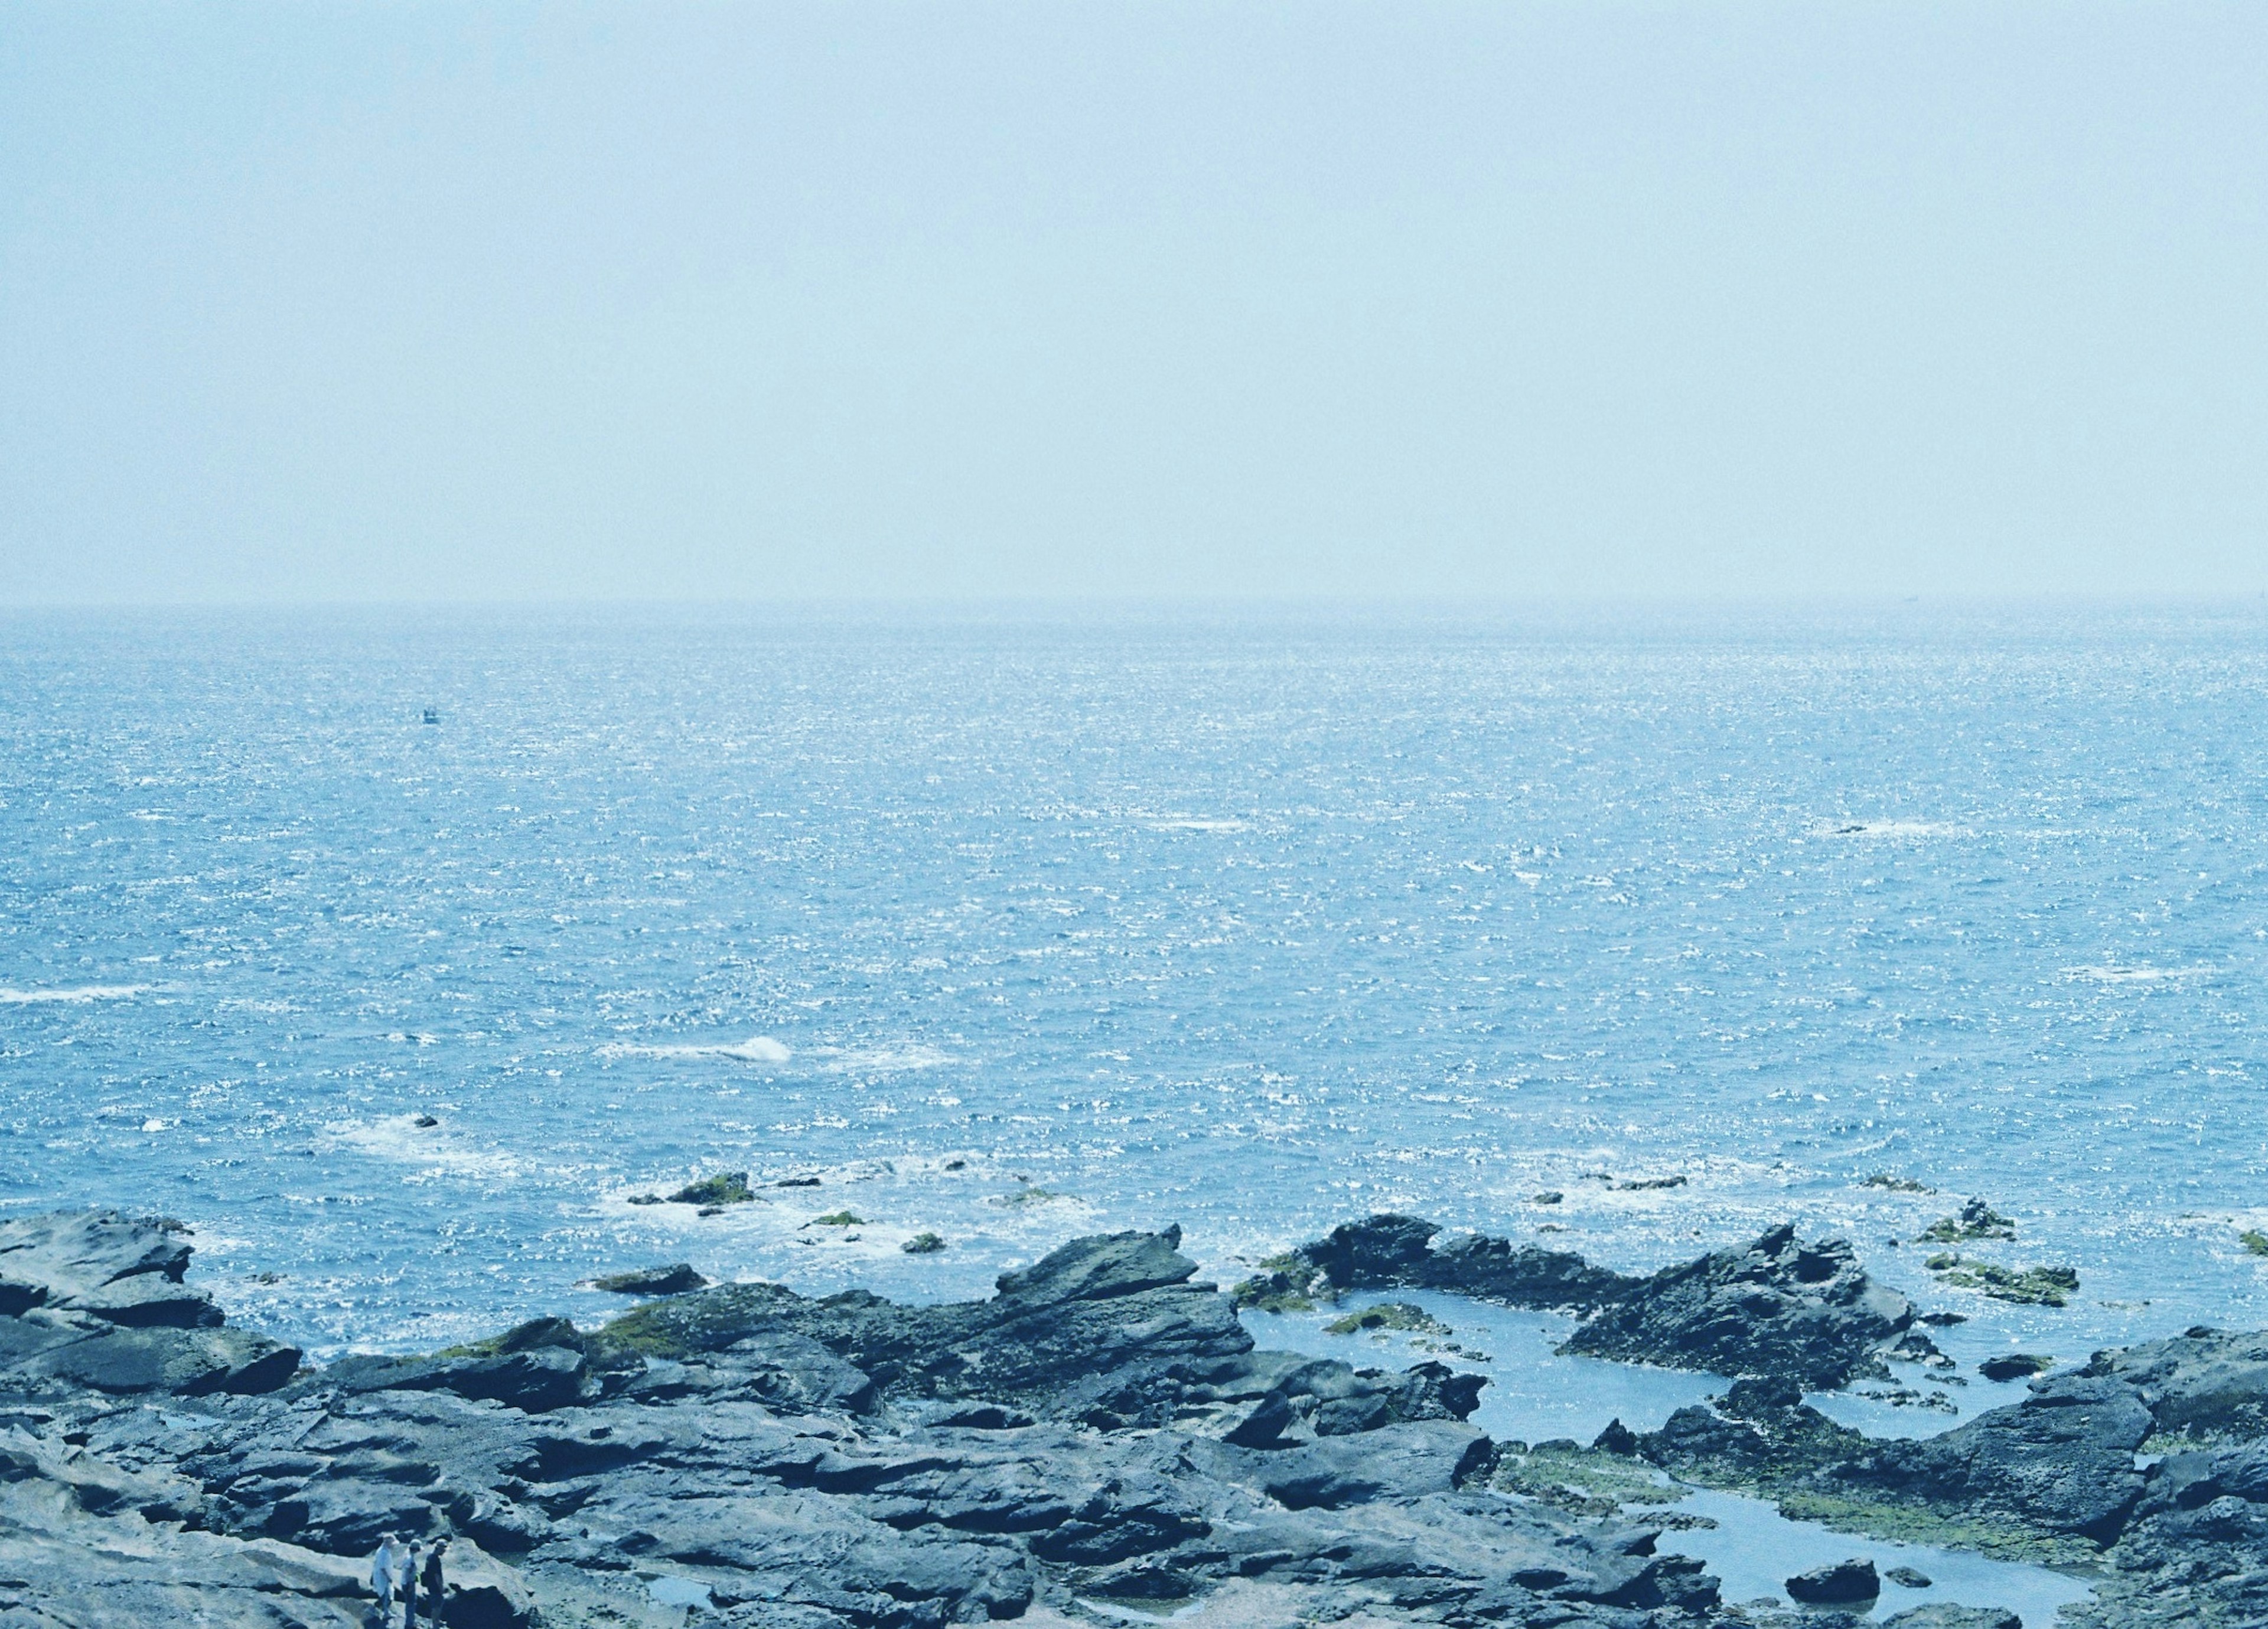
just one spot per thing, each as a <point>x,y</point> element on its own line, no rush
<point>1393,1314</point>
<point>1974,1221</point>
<point>2028,1287</point>
<point>924,1244</point>
<point>726,1188</point>
<point>1285,1283</point>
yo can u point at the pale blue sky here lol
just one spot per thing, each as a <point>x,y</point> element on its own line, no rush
<point>348,301</point>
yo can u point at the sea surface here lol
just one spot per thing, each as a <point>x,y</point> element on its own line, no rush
<point>1012,928</point>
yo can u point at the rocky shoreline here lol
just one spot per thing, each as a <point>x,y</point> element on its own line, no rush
<point>1099,1441</point>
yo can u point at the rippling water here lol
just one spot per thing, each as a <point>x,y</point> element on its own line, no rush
<point>1013,930</point>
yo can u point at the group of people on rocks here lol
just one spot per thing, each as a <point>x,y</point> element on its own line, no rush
<point>411,1574</point>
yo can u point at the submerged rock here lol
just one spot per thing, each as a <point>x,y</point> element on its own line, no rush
<point>2031,1287</point>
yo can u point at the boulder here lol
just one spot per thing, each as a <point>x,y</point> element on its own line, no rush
<point>1841,1583</point>
<point>674,1280</point>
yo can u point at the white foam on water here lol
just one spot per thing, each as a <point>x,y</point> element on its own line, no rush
<point>1754,1550</point>
<point>754,1049</point>
<point>399,1138</point>
<point>1889,829</point>
<point>1198,825</point>
<point>78,995</point>
<point>2104,974</point>
<point>880,1059</point>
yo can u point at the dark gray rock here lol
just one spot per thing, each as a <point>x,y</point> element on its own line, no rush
<point>190,1362</point>
<point>1802,1312</point>
<point>674,1280</point>
<point>534,1379</point>
<point>2202,1383</point>
<point>52,1258</point>
<point>1101,1428</point>
<point>1797,1310</point>
<point>1397,1252</point>
<point>2061,1462</point>
<point>1840,1583</point>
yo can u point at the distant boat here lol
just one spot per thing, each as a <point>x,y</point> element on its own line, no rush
<point>432,715</point>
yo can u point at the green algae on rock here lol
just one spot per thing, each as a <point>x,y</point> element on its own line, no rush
<point>1976,1221</point>
<point>1393,1314</point>
<point>2026,1286</point>
<point>924,1244</point>
<point>728,1188</point>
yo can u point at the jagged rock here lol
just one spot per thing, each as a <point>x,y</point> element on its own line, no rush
<point>2204,1382</point>
<point>2060,1461</point>
<point>1101,1428</point>
<point>1096,1269</point>
<point>1396,1252</point>
<point>52,1258</point>
<point>1838,1584</point>
<point>1802,1312</point>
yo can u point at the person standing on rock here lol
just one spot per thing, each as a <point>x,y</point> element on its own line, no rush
<point>383,1569</point>
<point>430,1582</point>
<point>407,1580</point>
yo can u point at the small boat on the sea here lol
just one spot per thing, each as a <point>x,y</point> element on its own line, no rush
<point>432,715</point>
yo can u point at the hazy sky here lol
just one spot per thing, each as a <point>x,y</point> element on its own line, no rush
<point>348,301</point>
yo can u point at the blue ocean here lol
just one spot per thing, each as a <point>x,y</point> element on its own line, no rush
<point>1010,928</point>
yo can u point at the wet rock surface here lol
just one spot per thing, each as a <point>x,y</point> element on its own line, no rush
<point>1101,1429</point>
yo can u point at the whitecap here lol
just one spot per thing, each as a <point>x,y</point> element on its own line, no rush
<point>400,1138</point>
<point>754,1049</point>
<point>2134,975</point>
<point>1198,825</point>
<point>880,1059</point>
<point>77,995</point>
